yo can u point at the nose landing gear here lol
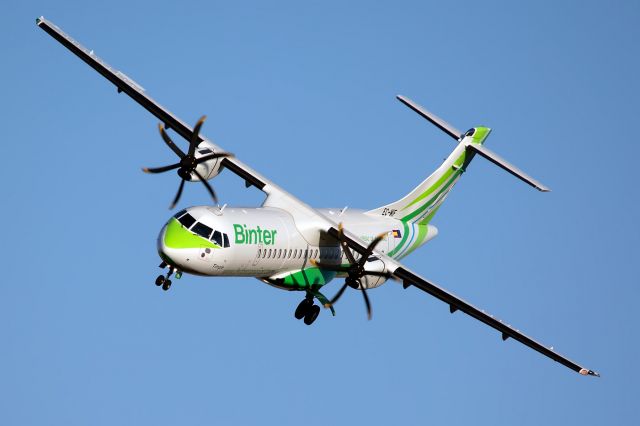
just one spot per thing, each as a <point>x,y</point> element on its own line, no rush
<point>163,280</point>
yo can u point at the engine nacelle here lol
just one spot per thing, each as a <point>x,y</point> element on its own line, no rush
<point>369,281</point>
<point>209,169</point>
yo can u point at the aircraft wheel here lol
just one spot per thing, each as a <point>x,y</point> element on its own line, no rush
<point>166,285</point>
<point>160,280</point>
<point>312,314</point>
<point>302,309</point>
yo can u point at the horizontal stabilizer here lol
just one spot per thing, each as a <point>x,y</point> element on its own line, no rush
<point>499,161</point>
<point>437,121</point>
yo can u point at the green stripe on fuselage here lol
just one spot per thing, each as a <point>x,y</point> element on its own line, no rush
<point>422,234</point>
<point>428,204</point>
<point>308,277</point>
<point>458,163</point>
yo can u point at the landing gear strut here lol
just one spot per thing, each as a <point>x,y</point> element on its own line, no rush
<point>307,310</point>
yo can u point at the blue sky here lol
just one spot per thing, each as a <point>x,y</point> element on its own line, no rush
<point>304,93</point>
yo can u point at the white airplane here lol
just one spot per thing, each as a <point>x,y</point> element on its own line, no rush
<point>292,246</point>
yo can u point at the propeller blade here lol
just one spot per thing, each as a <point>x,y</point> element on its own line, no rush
<point>338,294</point>
<point>160,169</point>
<point>178,194</point>
<point>206,184</point>
<point>370,249</point>
<point>195,136</point>
<point>212,156</point>
<point>345,246</point>
<point>169,142</point>
<point>366,302</point>
<point>330,266</point>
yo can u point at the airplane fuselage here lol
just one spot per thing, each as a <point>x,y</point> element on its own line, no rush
<point>265,243</point>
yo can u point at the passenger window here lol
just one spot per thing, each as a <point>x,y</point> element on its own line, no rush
<point>295,253</point>
<point>217,238</point>
<point>187,220</point>
<point>202,230</point>
<point>226,240</point>
<point>316,254</point>
<point>289,257</point>
<point>269,253</point>
<point>259,251</point>
<point>279,253</point>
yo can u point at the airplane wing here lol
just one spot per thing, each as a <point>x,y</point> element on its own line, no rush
<point>125,84</point>
<point>307,216</point>
<point>410,278</point>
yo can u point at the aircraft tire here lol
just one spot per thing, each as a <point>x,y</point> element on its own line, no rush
<point>166,285</point>
<point>312,314</point>
<point>302,309</point>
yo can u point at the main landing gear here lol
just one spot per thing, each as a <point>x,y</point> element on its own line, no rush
<point>307,310</point>
<point>163,280</point>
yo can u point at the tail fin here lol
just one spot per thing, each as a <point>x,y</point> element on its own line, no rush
<point>419,206</point>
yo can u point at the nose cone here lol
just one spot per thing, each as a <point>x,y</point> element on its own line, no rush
<point>163,249</point>
<point>176,243</point>
<point>179,247</point>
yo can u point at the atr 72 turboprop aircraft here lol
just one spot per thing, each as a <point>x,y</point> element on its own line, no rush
<point>292,246</point>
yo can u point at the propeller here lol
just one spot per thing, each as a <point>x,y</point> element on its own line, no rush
<point>355,269</point>
<point>188,162</point>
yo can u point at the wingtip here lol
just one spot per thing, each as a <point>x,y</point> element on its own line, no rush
<point>586,372</point>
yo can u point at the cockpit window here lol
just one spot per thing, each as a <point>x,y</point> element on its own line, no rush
<point>202,230</point>
<point>217,238</point>
<point>226,240</point>
<point>187,220</point>
<point>205,151</point>
<point>180,213</point>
